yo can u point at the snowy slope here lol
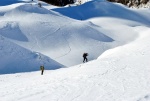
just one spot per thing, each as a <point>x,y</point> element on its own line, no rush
<point>64,39</point>
<point>40,34</point>
<point>18,59</point>
<point>116,38</point>
<point>120,74</point>
<point>100,8</point>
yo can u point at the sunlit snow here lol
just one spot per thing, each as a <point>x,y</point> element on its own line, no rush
<point>115,37</point>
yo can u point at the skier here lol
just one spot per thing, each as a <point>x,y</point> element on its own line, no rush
<point>85,57</point>
<point>42,69</point>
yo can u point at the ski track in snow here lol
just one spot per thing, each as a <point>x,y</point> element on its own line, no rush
<point>66,52</point>
<point>44,37</point>
<point>111,78</point>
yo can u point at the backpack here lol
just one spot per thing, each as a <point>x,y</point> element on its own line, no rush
<point>42,67</point>
<point>85,54</point>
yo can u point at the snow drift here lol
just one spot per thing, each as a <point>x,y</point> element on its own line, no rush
<point>64,39</point>
<point>117,43</point>
<point>99,8</point>
<point>20,59</point>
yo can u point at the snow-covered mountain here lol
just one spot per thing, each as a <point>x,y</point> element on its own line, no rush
<point>120,74</point>
<point>116,38</point>
<point>64,36</point>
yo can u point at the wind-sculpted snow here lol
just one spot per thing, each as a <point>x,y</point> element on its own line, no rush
<point>34,8</point>
<point>27,9</point>
<point>123,75</point>
<point>12,31</point>
<point>47,33</point>
<point>116,38</point>
<point>64,39</point>
<point>99,8</point>
<point>16,59</point>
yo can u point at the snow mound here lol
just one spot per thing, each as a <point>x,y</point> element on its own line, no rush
<point>12,31</point>
<point>47,33</point>
<point>32,36</point>
<point>64,39</point>
<point>18,59</point>
<point>26,9</point>
<point>98,8</point>
<point>121,76</point>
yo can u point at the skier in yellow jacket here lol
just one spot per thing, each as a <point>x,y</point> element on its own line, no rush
<point>42,69</point>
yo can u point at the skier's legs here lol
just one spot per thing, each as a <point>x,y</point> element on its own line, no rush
<point>42,72</point>
<point>86,59</point>
<point>83,59</point>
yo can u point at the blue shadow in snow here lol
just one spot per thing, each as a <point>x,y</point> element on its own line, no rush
<point>12,31</point>
<point>101,9</point>
<point>8,2</point>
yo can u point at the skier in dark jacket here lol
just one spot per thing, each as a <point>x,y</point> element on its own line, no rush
<point>85,57</point>
<point>42,69</point>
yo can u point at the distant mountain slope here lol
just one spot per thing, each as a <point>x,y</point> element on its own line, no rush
<point>99,8</point>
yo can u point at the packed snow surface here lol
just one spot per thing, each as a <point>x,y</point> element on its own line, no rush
<point>116,38</point>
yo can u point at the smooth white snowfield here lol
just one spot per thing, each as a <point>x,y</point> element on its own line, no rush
<point>64,38</point>
<point>120,74</point>
<point>116,38</point>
